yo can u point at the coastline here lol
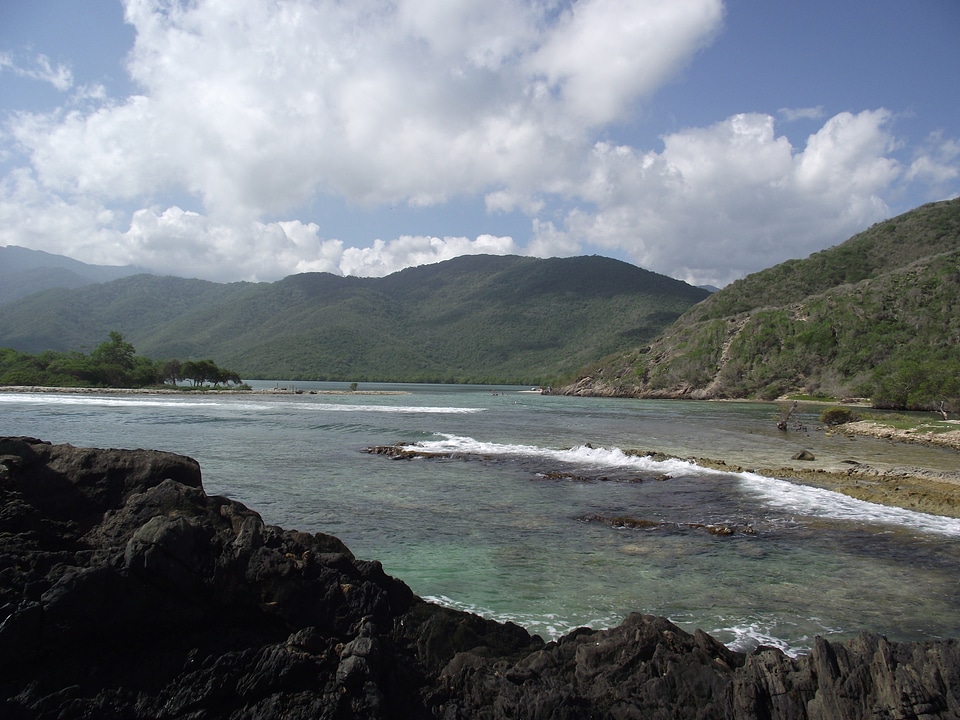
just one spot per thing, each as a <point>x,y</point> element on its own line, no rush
<point>926,490</point>
<point>187,391</point>
<point>923,489</point>
<point>870,428</point>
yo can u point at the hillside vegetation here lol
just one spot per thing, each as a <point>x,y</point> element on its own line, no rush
<point>877,316</point>
<point>112,364</point>
<point>24,272</point>
<point>472,319</point>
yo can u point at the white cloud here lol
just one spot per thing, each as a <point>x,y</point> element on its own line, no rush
<point>733,198</point>
<point>256,106</point>
<point>181,242</point>
<point>61,76</point>
<point>603,54</point>
<point>806,113</point>
<point>32,216</point>
<point>248,110</point>
<point>938,162</point>
<point>384,258</point>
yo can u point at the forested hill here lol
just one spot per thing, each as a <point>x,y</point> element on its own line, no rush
<point>876,316</point>
<point>24,272</point>
<point>471,319</point>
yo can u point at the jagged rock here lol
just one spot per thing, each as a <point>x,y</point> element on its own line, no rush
<point>127,592</point>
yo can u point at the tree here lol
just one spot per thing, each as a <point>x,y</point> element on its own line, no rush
<point>171,371</point>
<point>115,351</point>
<point>190,371</point>
<point>113,364</point>
<point>917,385</point>
<point>202,372</point>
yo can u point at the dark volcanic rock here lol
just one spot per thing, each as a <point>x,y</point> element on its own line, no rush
<point>127,592</point>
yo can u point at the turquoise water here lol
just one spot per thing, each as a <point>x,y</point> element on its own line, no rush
<point>503,521</point>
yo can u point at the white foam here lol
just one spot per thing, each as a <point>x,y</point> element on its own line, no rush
<point>549,626</point>
<point>99,400</point>
<point>746,635</point>
<point>584,455</point>
<point>786,496</point>
<point>164,401</point>
<point>818,502</point>
<point>400,409</point>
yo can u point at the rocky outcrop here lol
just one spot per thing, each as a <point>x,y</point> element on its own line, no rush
<point>127,592</point>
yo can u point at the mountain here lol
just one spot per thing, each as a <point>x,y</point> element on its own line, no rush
<point>24,271</point>
<point>471,319</point>
<point>878,314</point>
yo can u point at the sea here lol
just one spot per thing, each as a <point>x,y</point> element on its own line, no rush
<point>538,509</point>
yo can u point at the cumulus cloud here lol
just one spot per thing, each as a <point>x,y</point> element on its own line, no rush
<point>246,112</point>
<point>604,53</point>
<point>732,198</point>
<point>384,258</point>
<point>256,106</point>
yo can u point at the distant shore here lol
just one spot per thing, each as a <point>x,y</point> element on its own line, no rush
<point>189,391</point>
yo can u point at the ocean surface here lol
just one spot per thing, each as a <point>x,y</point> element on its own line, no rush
<point>520,515</point>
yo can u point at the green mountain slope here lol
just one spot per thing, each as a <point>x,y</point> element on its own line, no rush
<point>844,321</point>
<point>81,318</point>
<point>24,272</point>
<point>471,319</point>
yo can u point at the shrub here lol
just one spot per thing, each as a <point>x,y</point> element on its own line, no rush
<point>838,416</point>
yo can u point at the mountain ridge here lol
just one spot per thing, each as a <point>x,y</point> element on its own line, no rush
<point>24,271</point>
<point>474,318</point>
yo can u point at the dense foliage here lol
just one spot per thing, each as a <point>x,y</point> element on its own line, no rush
<point>113,364</point>
<point>472,319</point>
<point>877,316</point>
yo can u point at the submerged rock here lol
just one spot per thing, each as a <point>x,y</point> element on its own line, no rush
<point>127,592</point>
<point>631,523</point>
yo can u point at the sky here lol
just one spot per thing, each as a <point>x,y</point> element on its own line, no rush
<point>253,139</point>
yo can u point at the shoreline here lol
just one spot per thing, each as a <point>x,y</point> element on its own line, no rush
<point>186,391</point>
<point>920,489</point>
<point>933,492</point>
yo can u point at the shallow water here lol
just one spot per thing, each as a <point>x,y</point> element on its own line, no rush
<point>506,521</point>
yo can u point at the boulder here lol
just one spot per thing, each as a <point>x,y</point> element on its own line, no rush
<point>127,592</point>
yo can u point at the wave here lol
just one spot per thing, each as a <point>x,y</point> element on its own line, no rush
<point>433,410</point>
<point>818,502</point>
<point>548,626</point>
<point>582,455</point>
<point>99,400</point>
<point>218,402</point>
<point>802,500</point>
<point>747,635</point>
<point>742,636</point>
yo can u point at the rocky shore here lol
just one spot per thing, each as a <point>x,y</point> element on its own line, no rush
<point>948,439</point>
<point>128,592</point>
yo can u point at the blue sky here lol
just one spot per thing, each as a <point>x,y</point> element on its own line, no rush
<point>259,138</point>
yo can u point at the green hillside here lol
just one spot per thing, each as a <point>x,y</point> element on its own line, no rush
<point>877,316</point>
<point>471,319</point>
<point>24,272</point>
